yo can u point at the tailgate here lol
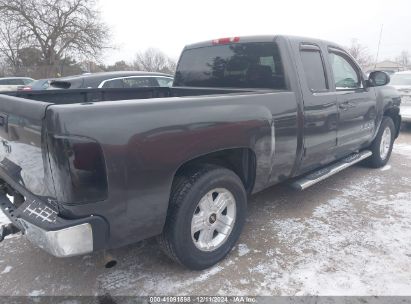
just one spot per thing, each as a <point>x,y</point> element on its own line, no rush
<point>23,152</point>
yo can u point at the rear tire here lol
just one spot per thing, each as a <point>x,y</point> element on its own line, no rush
<point>382,145</point>
<point>206,215</point>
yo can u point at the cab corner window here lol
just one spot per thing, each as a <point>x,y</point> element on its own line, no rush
<point>346,75</point>
<point>314,70</point>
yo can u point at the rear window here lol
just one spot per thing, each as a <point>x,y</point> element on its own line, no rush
<point>237,65</point>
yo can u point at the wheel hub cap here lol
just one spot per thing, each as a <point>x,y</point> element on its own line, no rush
<point>213,219</point>
<point>385,143</point>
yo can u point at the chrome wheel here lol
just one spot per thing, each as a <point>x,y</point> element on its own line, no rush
<point>385,143</point>
<point>213,219</point>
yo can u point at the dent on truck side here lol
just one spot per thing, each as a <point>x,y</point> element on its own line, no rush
<point>145,142</point>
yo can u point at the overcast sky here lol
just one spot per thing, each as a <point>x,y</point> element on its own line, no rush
<point>170,24</point>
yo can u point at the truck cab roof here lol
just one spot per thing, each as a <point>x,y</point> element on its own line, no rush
<point>259,38</point>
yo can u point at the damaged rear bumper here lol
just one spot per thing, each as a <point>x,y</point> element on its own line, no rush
<point>43,226</point>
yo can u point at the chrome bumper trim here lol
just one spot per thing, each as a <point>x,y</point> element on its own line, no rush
<point>75,240</point>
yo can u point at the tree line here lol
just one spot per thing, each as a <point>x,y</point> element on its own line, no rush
<point>50,38</point>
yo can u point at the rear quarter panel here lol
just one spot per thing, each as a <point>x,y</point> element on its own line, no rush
<point>146,141</point>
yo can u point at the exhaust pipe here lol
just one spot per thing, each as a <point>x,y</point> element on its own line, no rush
<point>6,230</point>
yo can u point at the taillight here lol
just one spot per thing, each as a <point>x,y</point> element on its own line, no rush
<point>83,159</point>
<point>225,40</point>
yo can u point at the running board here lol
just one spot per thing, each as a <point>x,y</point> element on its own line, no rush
<point>317,176</point>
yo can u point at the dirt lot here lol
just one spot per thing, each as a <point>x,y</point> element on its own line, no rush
<point>348,235</point>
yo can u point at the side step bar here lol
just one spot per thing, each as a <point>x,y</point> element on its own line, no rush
<point>317,176</point>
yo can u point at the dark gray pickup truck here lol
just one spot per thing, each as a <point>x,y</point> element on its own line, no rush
<point>93,169</point>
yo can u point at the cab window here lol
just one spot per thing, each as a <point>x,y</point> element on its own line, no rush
<point>346,75</point>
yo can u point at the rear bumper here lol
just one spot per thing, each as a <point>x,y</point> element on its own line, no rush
<point>43,226</point>
<point>75,240</point>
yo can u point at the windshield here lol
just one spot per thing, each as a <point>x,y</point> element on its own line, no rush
<point>237,65</point>
<point>401,79</point>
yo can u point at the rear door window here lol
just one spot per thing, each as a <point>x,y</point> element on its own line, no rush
<point>236,65</point>
<point>314,70</point>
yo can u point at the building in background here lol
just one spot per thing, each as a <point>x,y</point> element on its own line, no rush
<point>387,66</point>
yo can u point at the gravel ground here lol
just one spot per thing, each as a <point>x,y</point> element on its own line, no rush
<point>348,235</point>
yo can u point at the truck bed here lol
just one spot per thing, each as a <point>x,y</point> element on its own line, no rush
<point>96,95</point>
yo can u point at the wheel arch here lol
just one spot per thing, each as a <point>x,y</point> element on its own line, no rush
<point>241,160</point>
<point>393,113</point>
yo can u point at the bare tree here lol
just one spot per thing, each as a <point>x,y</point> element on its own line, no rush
<point>404,58</point>
<point>58,28</point>
<point>12,40</point>
<point>153,60</point>
<point>360,53</point>
<point>118,66</point>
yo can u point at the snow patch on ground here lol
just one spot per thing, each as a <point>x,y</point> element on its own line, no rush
<point>386,167</point>
<point>243,249</point>
<point>7,269</point>
<point>341,251</point>
<point>402,149</point>
<point>155,283</point>
<point>3,218</point>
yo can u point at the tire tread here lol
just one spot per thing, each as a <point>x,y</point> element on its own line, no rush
<point>180,189</point>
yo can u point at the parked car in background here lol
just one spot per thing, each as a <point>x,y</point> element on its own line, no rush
<point>12,83</point>
<point>402,82</point>
<point>40,84</point>
<point>113,80</point>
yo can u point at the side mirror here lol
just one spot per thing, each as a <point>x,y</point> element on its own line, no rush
<point>378,78</point>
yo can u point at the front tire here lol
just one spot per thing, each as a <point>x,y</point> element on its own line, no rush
<point>206,215</point>
<point>382,145</point>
